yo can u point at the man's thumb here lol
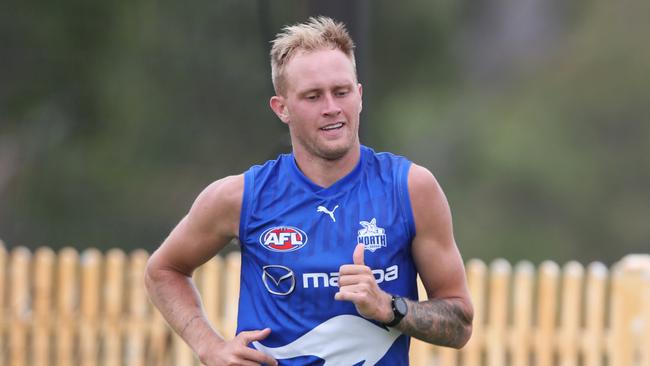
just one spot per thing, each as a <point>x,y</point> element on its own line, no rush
<point>357,256</point>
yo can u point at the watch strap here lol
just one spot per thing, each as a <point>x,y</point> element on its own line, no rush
<point>397,315</point>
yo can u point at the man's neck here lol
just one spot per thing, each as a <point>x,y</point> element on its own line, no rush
<point>325,172</point>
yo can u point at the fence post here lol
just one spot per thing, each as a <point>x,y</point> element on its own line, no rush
<point>572,277</point>
<point>520,342</point>
<point>3,281</point>
<point>91,261</point>
<point>209,279</point>
<point>629,284</point>
<point>546,314</point>
<point>135,346</point>
<point>472,352</point>
<point>66,306</point>
<point>231,294</point>
<point>43,268</point>
<point>19,305</point>
<point>645,346</point>
<point>500,271</point>
<point>113,307</point>
<point>595,305</point>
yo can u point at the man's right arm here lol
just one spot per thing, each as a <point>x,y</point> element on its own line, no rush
<point>211,223</point>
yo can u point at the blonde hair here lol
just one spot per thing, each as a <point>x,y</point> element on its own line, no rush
<point>315,34</point>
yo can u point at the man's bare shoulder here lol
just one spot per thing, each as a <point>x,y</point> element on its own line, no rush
<point>430,207</point>
<point>422,181</point>
<point>220,204</point>
<point>226,191</point>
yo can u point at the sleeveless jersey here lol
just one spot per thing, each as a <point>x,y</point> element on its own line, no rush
<point>295,235</point>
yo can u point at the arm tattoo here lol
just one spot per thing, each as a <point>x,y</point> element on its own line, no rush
<point>444,322</point>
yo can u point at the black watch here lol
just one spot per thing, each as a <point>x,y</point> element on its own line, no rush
<point>400,309</point>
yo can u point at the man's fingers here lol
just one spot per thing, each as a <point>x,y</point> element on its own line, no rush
<point>351,296</point>
<point>254,355</point>
<point>357,256</point>
<point>355,289</point>
<point>249,336</point>
<point>353,269</point>
<point>259,357</point>
<point>353,279</point>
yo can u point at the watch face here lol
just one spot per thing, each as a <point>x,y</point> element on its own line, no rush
<point>400,305</point>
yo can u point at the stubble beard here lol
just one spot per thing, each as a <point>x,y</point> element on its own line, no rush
<point>326,151</point>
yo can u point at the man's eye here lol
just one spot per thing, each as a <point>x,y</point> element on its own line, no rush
<point>312,97</point>
<point>342,93</point>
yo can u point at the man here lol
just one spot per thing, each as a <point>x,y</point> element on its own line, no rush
<point>332,236</point>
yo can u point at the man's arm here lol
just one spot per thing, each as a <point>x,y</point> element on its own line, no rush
<point>446,317</point>
<point>210,224</point>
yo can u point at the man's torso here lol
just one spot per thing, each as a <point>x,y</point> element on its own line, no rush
<point>294,237</point>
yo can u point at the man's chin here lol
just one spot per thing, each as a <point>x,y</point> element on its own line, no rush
<point>333,153</point>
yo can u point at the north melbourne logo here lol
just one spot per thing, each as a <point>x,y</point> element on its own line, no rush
<point>371,236</point>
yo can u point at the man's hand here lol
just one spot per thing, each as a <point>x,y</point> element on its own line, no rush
<point>358,284</point>
<point>237,352</point>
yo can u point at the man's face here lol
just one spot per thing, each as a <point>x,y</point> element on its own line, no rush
<point>321,104</point>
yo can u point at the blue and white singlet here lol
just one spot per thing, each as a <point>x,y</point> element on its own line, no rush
<point>294,237</point>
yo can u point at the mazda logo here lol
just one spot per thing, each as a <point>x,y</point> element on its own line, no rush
<point>278,280</point>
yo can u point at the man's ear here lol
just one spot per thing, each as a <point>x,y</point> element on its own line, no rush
<point>360,97</point>
<point>279,107</point>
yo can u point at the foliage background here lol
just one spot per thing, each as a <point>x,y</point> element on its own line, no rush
<point>533,115</point>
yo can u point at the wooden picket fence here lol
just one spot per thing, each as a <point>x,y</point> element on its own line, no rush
<point>90,308</point>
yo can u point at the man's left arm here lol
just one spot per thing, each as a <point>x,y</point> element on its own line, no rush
<point>446,317</point>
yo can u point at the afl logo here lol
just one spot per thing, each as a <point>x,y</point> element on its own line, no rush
<point>283,239</point>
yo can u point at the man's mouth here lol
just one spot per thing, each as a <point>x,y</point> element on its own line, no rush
<point>333,126</point>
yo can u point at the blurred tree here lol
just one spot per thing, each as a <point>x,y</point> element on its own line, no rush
<point>543,156</point>
<point>533,115</point>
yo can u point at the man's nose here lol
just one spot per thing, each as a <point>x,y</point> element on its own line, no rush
<point>331,107</point>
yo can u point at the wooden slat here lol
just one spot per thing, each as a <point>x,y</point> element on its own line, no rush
<point>138,309</point>
<point>19,305</point>
<point>626,312</point>
<point>182,353</point>
<point>522,308</point>
<point>476,279</point>
<point>210,281</point>
<point>645,322</point>
<point>544,350</point>
<point>66,306</point>
<point>3,309</point>
<point>617,313</point>
<point>447,356</point>
<point>89,306</point>
<point>572,280</point>
<point>44,260</point>
<point>500,271</point>
<point>113,299</point>
<point>231,294</point>
<point>593,349</point>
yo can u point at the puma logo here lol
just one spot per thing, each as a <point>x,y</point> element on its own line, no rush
<point>341,340</point>
<point>325,210</point>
